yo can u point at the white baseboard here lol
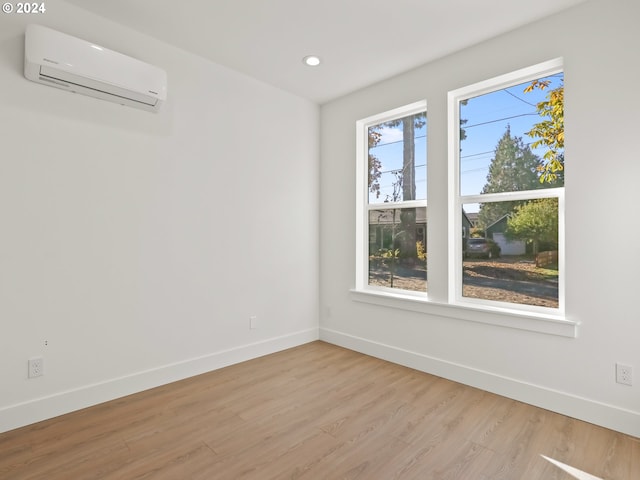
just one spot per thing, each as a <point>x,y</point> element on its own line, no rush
<point>608,416</point>
<point>32,411</point>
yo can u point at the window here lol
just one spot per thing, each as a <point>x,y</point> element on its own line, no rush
<point>507,173</point>
<point>392,203</point>
<point>497,224</point>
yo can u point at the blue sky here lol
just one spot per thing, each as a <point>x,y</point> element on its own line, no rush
<point>389,152</point>
<point>487,119</point>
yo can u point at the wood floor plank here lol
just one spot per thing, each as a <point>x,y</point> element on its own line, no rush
<point>312,412</point>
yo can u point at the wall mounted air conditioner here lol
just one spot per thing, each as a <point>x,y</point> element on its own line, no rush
<point>66,62</point>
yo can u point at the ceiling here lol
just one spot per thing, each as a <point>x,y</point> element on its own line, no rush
<point>359,41</point>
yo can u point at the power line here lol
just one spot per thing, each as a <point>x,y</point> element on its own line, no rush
<point>397,170</point>
<point>471,126</point>
<point>490,151</point>
<point>476,154</point>
<point>557,75</point>
<point>486,167</point>
<point>468,126</point>
<point>500,120</point>
<point>397,141</point>
<point>521,99</point>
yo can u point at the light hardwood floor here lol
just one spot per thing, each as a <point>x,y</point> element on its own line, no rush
<point>314,412</point>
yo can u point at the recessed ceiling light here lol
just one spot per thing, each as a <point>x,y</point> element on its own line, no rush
<point>311,60</point>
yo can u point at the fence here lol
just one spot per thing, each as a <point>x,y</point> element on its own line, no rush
<point>547,258</point>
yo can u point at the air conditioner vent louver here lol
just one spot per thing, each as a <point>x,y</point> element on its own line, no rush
<point>52,80</point>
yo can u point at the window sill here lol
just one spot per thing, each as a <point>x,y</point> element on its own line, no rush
<point>533,322</point>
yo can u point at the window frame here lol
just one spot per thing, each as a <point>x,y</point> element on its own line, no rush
<point>363,207</point>
<point>456,200</point>
<point>529,318</point>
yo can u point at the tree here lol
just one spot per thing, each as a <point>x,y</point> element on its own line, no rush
<point>513,168</point>
<point>407,240</point>
<point>404,186</point>
<point>374,163</point>
<point>550,132</point>
<point>463,121</point>
<point>407,182</point>
<point>535,221</point>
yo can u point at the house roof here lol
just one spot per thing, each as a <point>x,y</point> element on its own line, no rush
<point>498,223</point>
<point>384,216</point>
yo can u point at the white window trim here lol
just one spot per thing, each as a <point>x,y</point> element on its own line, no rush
<point>362,194</point>
<point>486,314</point>
<point>456,200</point>
<point>508,315</point>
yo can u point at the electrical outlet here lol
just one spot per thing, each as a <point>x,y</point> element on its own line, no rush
<point>624,374</point>
<point>253,322</point>
<point>36,367</point>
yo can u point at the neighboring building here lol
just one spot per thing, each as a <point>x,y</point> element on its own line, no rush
<point>381,227</point>
<point>468,223</point>
<point>496,230</point>
<point>472,218</point>
<point>382,223</point>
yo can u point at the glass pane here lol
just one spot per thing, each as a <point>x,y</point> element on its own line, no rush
<point>398,160</point>
<point>513,139</point>
<point>398,248</point>
<point>514,258</point>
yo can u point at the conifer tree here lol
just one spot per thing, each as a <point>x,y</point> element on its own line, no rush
<point>513,168</point>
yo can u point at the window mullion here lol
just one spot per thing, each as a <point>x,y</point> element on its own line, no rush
<point>508,196</point>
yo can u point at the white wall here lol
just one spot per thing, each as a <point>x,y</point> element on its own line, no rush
<point>599,41</point>
<point>137,245</point>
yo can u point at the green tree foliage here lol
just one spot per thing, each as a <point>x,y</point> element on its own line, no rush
<point>374,163</point>
<point>535,221</point>
<point>550,132</point>
<point>463,121</point>
<point>513,168</point>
